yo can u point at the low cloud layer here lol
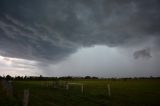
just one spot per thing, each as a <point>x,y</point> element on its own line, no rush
<point>144,53</point>
<point>15,66</point>
<point>51,30</point>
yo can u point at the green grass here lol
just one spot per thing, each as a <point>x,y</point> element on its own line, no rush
<point>123,93</point>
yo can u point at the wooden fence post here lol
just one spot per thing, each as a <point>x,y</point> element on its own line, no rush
<point>109,90</point>
<point>26,97</point>
<point>82,88</point>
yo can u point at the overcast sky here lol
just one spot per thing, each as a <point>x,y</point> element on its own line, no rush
<point>104,38</point>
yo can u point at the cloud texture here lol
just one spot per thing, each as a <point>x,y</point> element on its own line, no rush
<point>144,53</point>
<point>50,30</point>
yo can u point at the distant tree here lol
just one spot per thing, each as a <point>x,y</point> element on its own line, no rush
<point>40,77</point>
<point>151,77</point>
<point>1,77</point>
<point>87,77</point>
<point>54,78</point>
<point>8,77</point>
<point>66,78</point>
<point>94,77</point>
<point>25,77</point>
<point>18,78</point>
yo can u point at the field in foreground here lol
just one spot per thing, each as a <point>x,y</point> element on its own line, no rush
<point>143,92</point>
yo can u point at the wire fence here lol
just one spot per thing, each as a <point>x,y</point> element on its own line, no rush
<point>63,90</point>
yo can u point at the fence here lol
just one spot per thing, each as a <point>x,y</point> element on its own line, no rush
<point>7,85</point>
<point>56,86</point>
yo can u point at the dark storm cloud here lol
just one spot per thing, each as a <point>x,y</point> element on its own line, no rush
<point>144,53</point>
<point>53,29</point>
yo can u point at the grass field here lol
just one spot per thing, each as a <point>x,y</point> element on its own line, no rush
<point>143,92</point>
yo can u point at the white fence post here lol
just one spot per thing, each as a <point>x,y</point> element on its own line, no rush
<point>26,97</point>
<point>109,90</point>
<point>82,88</point>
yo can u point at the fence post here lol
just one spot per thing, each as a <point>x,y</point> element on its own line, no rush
<point>109,90</point>
<point>82,88</point>
<point>26,97</point>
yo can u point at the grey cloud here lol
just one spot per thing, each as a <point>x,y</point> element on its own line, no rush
<point>23,66</point>
<point>53,29</point>
<point>144,53</point>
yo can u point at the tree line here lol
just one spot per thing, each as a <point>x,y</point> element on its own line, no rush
<point>8,77</point>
